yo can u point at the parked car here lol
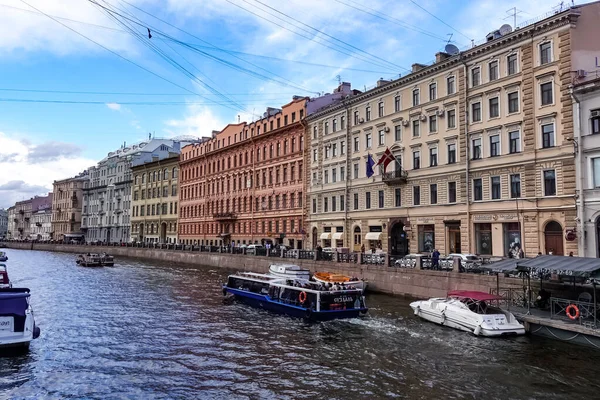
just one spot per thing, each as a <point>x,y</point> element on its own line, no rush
<point>467,261</point>
<point>410,261</point>
<point>251,249</point>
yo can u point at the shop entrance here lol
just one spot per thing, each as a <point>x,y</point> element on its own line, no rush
<point>398,240</point>
<point>553,237</point>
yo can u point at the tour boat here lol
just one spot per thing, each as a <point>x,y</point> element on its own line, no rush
<point>468,311</point>
<point>295,297</point>
<point>329,277</point>
<point>3,256</point>
<point>289,271</point>
<point>107,260</point>
<point>4,281</point>
<point>89,260</point>
<point>17,326</point>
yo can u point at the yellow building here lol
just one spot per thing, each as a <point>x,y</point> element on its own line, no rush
<point>154,206</point>
<point>483,150</point>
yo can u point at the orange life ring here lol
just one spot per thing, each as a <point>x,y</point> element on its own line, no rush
<point>302,297</point>
<point>572,307</point>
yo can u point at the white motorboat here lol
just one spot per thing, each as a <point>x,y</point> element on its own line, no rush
<point>469,311</point>
<point>289,271</point>
<point>17,326</point>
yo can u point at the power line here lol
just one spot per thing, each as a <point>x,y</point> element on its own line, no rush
<point>137,103</point>
<point>439,19</point>
<point>131,93</point>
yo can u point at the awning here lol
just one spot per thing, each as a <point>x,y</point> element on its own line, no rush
<point>77,235</point>
<point>325,235</point>
<point>337,235</point>
<point>373,236</point>
<point>561,265</point>
<point>505,266</point>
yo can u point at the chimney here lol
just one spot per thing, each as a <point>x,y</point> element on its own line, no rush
<point>215,133</point>
<point>441,56</point>
<point>382,82</point>
<point>344,88</point>
<point>417,67</point>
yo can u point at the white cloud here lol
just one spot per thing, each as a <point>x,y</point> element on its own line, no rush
<point>29,169</point>
<point>114,106</point>
<point>198,121</point>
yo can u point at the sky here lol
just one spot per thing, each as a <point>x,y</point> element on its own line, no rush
<point>81,77</point>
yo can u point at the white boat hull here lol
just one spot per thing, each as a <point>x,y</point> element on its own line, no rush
<point>9,339</point>
<point>454,314</point>
<point>362,285</point>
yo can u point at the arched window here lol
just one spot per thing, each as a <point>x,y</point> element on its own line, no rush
<point>175,172</point>
<point>166,173</point>
<point>143,178</point>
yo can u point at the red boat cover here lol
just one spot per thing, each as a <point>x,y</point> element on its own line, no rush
<point>479,296</point>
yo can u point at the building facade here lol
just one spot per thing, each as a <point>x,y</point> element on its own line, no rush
<point>67,201</point>
<point>22,220</point>
<point>3,222</point>
<point>107,196</point>
<point>41,217</point>
<point>12,223</point>
<point>482,145</point>
<point>154,207</point>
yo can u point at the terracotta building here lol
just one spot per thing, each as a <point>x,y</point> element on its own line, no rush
<point>483,146</point>
<point>67,201</point>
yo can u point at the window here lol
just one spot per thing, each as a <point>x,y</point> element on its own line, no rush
<point>285,120</point>
<point>333,203</point>
<point>452,153</point>
<point>342,174</point>
<point>494,145</point>
<point>315,131</point>
<point>550,182</point>
<point>596,171</point>
<point>432,124</point>
<point>595,125</point>
<point>433,194</point>
<point>334,175</point>
<point>342,202</point>
<point>511,60</point>
<point>493,70</point>
<point>416,159</point>
<point>326,127</point>
<point>415,97</point>
<point>326,176</point>
<point>380,110</point>
<point>451,119</point>
<point>432,91</point>
<point>477,189</point>
<point>476,112</point>
<point>356,201</point>
<point>343,147</point>
<point>398,133</point>
<point>381,199</point>
<point>494,108</point>
<point>475,77</point>
<point>334,150</point>
<point>355,171</point>
<point>433,157</point>
<point>342,122</point>
<point>368,200</point>
<point>513,102</point>
<point>334,125</point>
<point>514,139</point>
<point>326,204</point>
<point>397,104</point>
<point>547,136</point>
<point>450,85</point>
<point>356,117</point>
<point>398,193</point>
<point>356,144</point>
<point>368,140</point>
<point>381,137</point>
<point>515,186</point>
<point>545,53</point>
<point>476,148</point>
<point>415,126</point>
<point>314,206</point>
<point>546,92</point>
<point>315,154</point>
<point>368,113</point>
<point>496,189</point>
<point>451,192</point>
<point>416,195</point>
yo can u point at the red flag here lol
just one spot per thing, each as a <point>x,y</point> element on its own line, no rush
<point>386,158</point>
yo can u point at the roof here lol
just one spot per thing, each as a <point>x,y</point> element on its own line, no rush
<point>504,266</point>
<point>562,265</point>
<point>479,296</point>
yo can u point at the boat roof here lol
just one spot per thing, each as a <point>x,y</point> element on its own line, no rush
<point>479,296</point>
<point>282,282</point>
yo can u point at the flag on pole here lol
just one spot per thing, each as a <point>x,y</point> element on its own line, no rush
<point>370,164</point>
<point>386,158</point>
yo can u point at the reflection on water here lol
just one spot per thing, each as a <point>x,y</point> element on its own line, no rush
<point>158,330</point>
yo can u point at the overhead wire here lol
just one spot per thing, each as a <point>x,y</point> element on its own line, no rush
<point>129,93</point>
<point>139,103</point>
<point>439,19</point>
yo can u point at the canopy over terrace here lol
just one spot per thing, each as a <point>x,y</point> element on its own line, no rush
<point>585,267</point>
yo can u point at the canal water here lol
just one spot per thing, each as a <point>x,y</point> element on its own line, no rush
<point>153,330</point>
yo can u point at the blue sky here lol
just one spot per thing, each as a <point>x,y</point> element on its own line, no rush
<point>40,142</point>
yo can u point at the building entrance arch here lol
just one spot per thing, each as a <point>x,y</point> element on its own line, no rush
<point>398,240</point>
<point>314,238</point>
<point>141,233</point>
<point>163,232</point>
<point>553,238</point>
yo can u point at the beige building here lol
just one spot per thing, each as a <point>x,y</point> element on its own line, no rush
<point>22,220</point>
<point>483,150</point>
<point>154,205</point>
<point>67,201</point>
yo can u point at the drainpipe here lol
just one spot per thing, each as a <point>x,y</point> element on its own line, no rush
<point>467,164</point>
<point>580,177</point>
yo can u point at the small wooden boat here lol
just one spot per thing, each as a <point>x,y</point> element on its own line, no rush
<point>329,277</point>
<point>89,260</point>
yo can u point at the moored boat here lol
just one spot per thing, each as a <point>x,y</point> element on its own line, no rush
<point>469,311</point>
<point>89,260</point>
<point>295,297</point>
<point>4,280</point>
<point>17,325</point>
<point>289,271</point>
<point>107,260</point>
<point>3,256</point>
<point>331,278</point>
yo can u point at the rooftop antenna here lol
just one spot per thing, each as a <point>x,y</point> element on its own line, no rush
<point>339,79</point>
<point>513,12</point>
<point>449,38</point>
<point>149,136</point>
<point>238,118</point>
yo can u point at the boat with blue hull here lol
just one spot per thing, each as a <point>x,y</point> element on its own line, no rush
<point>296,297</point>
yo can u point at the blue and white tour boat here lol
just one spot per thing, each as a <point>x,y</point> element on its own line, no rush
<point>296,297</point>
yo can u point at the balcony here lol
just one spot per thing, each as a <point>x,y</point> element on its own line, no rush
<point>118,211</point>
<point>227,216</point>
<point>396,177</point>
<point>102,212</point>
<point>38,224</point>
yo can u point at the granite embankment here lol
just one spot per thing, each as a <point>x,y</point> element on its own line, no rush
<point>390,280</point>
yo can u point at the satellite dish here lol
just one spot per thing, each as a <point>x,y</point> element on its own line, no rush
<point>451,49</point>
<point>505,29</point>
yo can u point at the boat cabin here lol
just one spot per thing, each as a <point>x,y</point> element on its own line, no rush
<point>14,303</point>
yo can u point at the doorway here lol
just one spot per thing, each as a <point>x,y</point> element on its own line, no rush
<point>141,233</point>
<point>553,237</point>
<point>454,244</point>
<point>399,241</point>
<point>163,232</point>
<point>314,238</point>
